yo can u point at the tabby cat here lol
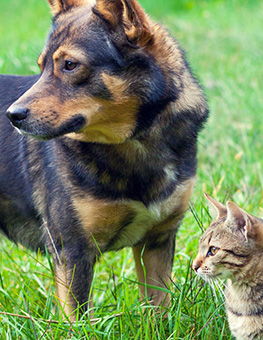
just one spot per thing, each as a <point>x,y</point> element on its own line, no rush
<point>232,248</point>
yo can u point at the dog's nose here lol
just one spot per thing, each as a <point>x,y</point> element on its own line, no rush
<point>17,114</point>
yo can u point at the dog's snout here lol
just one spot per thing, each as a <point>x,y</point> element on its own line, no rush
<point>17,114</point>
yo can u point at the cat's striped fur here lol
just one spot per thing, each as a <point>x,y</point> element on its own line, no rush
<point>232,248</point>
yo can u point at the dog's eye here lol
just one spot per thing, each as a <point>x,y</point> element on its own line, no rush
<point>69,65</point>
<point>212,251</point>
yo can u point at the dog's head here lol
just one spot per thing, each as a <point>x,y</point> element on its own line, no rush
<point>106,71</point>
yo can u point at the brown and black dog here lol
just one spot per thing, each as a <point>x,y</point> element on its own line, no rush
<point>104,150</point>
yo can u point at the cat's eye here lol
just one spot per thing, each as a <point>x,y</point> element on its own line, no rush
<point>212,251</point>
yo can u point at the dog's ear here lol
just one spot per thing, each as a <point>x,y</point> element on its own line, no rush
<point>129,15</point>
<point>58,6</point>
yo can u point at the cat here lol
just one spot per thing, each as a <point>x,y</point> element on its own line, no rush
<point>232,249</point>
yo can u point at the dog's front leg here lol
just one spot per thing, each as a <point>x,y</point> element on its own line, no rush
<point>74,276</point>
<point>154,262</point>
<point>73,264</point>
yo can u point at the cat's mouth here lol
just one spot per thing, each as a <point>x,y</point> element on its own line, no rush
<point>209,276</point>
<point>205,276</point>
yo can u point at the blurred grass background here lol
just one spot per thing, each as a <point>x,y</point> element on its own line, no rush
<point>223,40</point>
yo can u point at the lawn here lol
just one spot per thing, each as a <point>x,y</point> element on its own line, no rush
<point>223,41</point>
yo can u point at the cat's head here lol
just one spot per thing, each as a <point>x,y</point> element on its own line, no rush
<point>231,244</point>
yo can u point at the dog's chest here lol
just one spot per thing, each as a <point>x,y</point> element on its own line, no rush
<point>134,230</point>
<point>118,224</point>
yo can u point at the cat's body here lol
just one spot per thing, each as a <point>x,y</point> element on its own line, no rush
<point>232,248</point>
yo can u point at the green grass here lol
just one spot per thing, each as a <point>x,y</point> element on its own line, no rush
<point>223,40</point>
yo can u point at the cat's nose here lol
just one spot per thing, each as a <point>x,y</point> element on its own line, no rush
<point>196,265</point>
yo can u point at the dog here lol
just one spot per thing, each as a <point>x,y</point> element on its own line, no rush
<point>101,150</point>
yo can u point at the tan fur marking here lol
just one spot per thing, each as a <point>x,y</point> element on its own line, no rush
<point>108,10</point>
<point>40,61</point>
<point>190,98</point>
<point>101,219</point>
<point>181,197</point>
<point>57,54</point>
<point>58,6</point>
<point>68,52</point>
<point>136,24</point>
<point>65,298</point>
<point>110,121</point>
<point>174,207</point>
<point>117,86</point>
<point>128,14</point>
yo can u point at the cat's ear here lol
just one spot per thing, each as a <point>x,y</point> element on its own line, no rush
<point>126,14</point>
<point>238,220</point>
<point>245,224</point>
<point>216,209</point>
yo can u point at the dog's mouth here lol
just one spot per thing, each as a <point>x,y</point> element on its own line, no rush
<point>44,131</point>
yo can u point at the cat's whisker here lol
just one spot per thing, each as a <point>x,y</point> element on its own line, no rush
<point>223,284</point>
<point>222,293</point>
<point>217,291</point>
<point>212,285</point>
<point>220,289</point>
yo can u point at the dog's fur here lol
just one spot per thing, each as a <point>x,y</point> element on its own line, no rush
<point>114,118</point>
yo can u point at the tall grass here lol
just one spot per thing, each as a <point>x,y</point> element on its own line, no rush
<point>223,40</point>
